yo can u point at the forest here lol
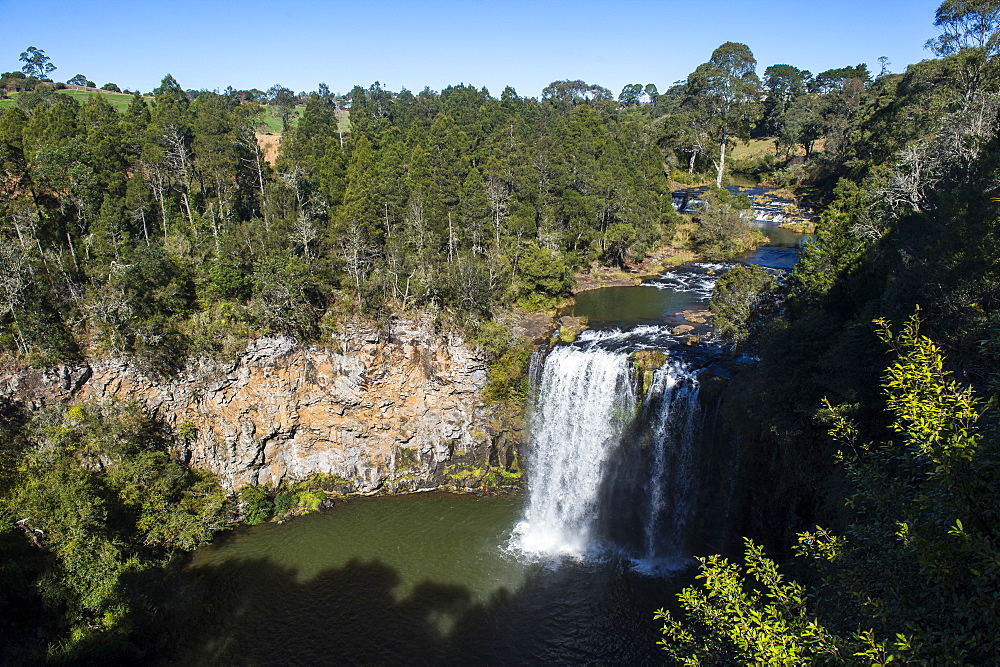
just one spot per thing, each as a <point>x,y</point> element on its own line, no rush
<point>159,230</point>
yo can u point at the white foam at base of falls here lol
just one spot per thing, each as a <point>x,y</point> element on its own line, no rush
<point>584,401</point>
<point>585,404</point>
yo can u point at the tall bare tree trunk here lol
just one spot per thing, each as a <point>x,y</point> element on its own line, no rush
<point>722,161</point>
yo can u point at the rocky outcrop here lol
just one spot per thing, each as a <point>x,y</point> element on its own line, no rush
<point>394,411</point>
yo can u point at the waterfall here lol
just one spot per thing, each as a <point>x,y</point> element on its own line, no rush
<point>603,473</point>
<point>673,409</point>
<point>584,401</point>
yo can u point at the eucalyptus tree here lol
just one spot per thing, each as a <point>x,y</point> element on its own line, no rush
<point>575,92</point>
<point>631,95</point>
<point>81,80</point>
<point>802,123</point>
<point>833,80</point>
<point>726,92</point>
<point>970,31</point>
<point>36,63</point>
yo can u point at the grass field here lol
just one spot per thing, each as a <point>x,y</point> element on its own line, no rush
<point>118,100</point>
<point>272,118</point>
<point>754,149</point>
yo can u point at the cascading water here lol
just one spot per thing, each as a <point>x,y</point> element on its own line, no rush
<point>584,402</point>
<point>607,470</point>
<point>672,407</point>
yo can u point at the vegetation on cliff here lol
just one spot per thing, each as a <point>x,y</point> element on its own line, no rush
<point>160,230</point>
<point>896,459</point>
<point>93,509</point>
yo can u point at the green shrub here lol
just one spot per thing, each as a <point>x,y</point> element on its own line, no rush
<point>508,376</point>
<point>310,500</point>
<point>283,503</point>
<point>257,505</point>
<point>743,301</point>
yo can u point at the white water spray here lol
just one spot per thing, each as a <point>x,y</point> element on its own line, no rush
<point>673,397</point>
<point>584,401</point>
<point>586,405</point>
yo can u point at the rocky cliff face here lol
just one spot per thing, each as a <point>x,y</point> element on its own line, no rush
<point>397,411</point>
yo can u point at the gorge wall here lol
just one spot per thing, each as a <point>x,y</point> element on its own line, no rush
<point>397,410</point>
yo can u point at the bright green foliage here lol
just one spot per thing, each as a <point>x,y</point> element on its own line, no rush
<point>751,614</point>
<point>508,376</point>
<point>916,562</point>
<point>936,416</point>
<point>309,501</point>
<point>921,556</point>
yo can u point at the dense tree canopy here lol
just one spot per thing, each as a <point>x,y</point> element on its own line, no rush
<point>172,228</point>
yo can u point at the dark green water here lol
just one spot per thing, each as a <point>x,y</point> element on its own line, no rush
<point>417,579</point>
<point>628,304</point>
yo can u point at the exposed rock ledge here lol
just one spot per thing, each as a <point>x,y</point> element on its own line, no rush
<point>397,412</point>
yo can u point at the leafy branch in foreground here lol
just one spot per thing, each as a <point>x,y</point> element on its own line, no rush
<point>918,561</point>
<point>750,613</point>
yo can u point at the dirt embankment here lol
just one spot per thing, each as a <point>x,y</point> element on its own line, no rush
<point>597,276</point>
<point>269,144</point>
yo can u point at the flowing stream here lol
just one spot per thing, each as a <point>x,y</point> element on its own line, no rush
<point>569,574</point>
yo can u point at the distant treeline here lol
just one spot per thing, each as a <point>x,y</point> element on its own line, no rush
<point>162,231</point>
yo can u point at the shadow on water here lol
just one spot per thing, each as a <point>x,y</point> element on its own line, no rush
<point>257,612</point>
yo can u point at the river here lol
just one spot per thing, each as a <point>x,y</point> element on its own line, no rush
<point>417,579</point>
<point>437,578</point>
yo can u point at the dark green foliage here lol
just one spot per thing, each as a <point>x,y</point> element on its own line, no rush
<point>256,505</point>
<point>36,63</point>
<point>919,558</point>
<point>141,228</point>
<point>744,300</point>
<point>100,506</point>
<point>912,576</point>
<point>905,567</point>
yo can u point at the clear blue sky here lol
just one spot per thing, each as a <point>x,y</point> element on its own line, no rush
<point>524,44</point>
